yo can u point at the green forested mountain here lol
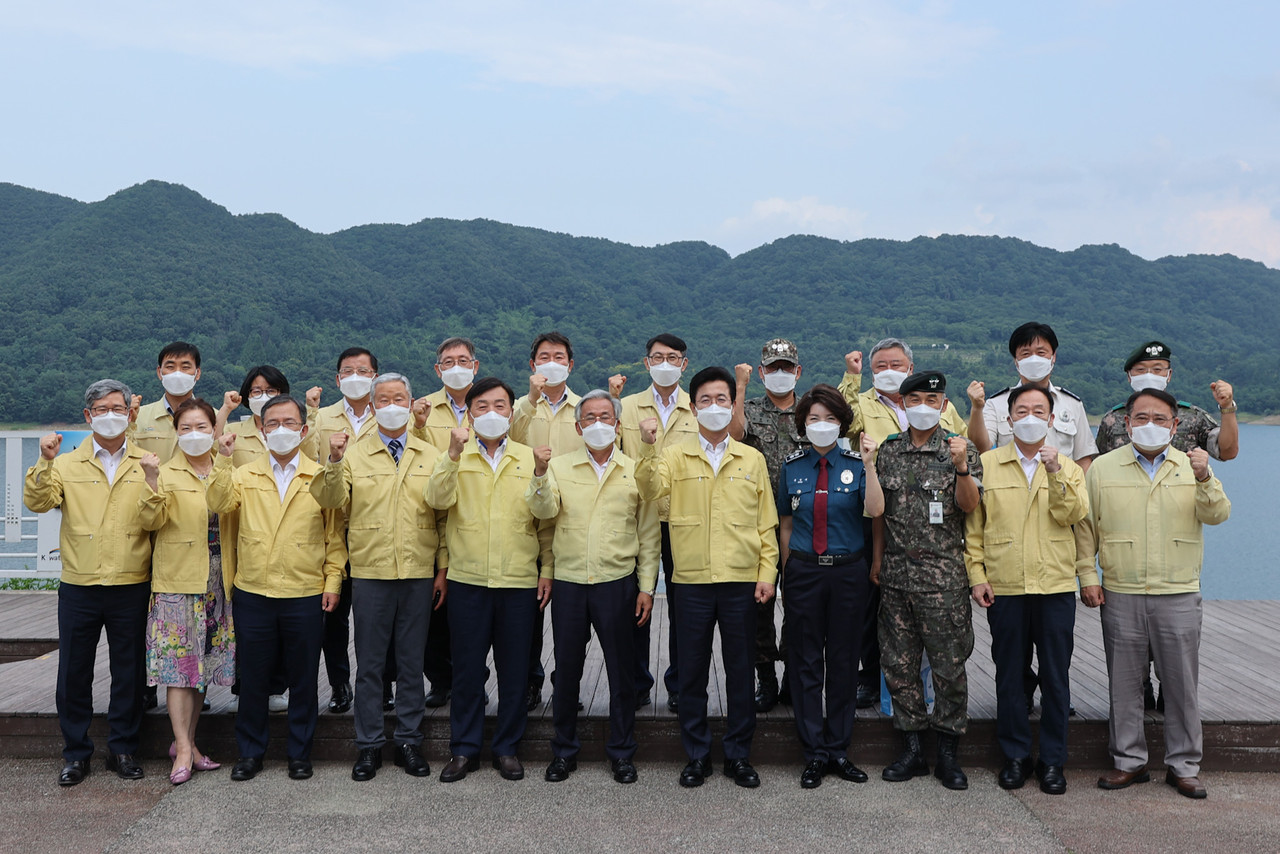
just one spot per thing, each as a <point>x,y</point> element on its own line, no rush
<point>94,290</point>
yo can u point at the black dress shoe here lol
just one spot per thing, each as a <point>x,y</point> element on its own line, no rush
<point>509,767</point>
<point>846,770</point>
<point>811,776</point>
<point>150,700</point>
<point>867,696</point>
<point>560,769</point>
<point>410,758</point>
<point>299,769</point>
<point>437,697</point>
<point>341,699</point>
<point>784,690</point>
<point>125,766</point>
<point>534,698</point>
<point>1052,780</point>
<point>1014,773</point>
<point>673,702</point>
<point>695,773</point>
<point>766,695</point>
<point>457,767</point>
<point>246,768</point>
<point>741,772</point>
<point>73,772</point>
<point>623,771</point>
<point>643,700</point>
<point>367,764</point>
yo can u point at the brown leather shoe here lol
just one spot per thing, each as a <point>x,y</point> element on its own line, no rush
<point>1117,779</point>
<point>457,767</point>
<point>509,767</point>
<point>1189,787</point>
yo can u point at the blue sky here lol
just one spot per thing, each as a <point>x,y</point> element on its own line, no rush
<point>1152,125</point>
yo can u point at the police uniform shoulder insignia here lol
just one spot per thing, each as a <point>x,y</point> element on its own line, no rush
<point>1068,393</point>
<point>1004,390</point>
<point>851,454</point>
<point>795,455</point>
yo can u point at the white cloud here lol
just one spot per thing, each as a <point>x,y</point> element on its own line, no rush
<point>1247,229</point>
<point>769,219</point>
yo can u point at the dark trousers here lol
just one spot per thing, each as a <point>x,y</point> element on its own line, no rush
<point>1049,621</point>
<point>83,612</point>
<point>390,613</point>
<point>437,662</point>
<point>670,678</point>
<point>609,608</point>
<point>730,606</point>
<point>262,623</point>
<point>869,673</point>
<point>484,617</point>
<point>824,610</point>
<point>337,638</point>
<point>770,645</point>
<point>537,673</point>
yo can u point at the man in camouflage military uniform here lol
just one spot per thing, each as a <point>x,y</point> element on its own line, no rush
<point>1150,366</point>
<point>768,425</point>
<point>931,479</point>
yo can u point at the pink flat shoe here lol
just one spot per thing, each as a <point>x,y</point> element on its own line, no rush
<point>206,764</point>
<point>180,776</point>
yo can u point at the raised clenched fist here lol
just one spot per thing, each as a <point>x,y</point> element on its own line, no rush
<point>230,400</point>
<point>227,444</point>
<point>50,444</point>
<point>458,437</point>
<point>541,456</point>
<point>649,431</point>
<point>313,397</point>
<point>616,384</point>
<point>338,446</point>
<point>853,362</point>
<point>421,409</point>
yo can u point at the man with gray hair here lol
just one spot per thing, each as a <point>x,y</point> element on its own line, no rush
<point>106,577</point>
<point>395,548</point>
<point>605,566</point>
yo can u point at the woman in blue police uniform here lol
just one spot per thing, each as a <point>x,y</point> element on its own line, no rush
<point>826,497</point>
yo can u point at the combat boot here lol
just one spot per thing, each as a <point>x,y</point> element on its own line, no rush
<point>948,768</point>
<point>910,764</point>
<point>767,694</point>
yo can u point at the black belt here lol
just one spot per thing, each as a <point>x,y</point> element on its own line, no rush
<point>828,560</point>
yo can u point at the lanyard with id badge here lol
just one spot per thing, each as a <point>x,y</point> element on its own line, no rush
<point>933,482</point>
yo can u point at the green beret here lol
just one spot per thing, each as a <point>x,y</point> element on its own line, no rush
<point>926,381</point>
<point>1150,350</point>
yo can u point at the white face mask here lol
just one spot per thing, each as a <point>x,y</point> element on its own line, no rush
<point>491,425</point>
<point>714,418</point>
<point>195,443</point>
<point>555,372</point>
<point>457,377</point>
<point>780,382</point>
<point>822,434</point>
<point>282,440</point>
<point>178,383</point>
<point>109,425</point>
<point>392,416</point>
<point>257,401</point>
<point>923,416</point>
<point>888,380</point>
<point>1150,437</point>
<point>1142,382</point>
<point>1035,368</point>
<point>599,435</point>
<point>1030,429</point>
<point>665,374</point>
<point>355,387</point>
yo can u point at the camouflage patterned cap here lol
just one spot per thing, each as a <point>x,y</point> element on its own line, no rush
<point>1150,350</point>
<point>925,381</point>
<point>779,350</point>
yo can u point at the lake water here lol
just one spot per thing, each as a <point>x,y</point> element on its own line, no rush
<point>1240,554</point>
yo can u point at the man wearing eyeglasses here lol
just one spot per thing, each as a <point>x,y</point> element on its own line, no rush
<point>1148,503</point>
<point>106,577</point>
<point>291,555</point>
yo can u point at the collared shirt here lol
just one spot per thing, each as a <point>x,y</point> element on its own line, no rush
<point>110,462</point>
<point>556,404</point>
<point>1029,464</point>
<point>357,421</point>
<point>497,452</point>
<point>846,492</point>
<point>665,410</point>
<point>600,467</point>
<point>387,440</point>
<point>1150,466</point>
<point>459,412</point>
<point>284,474</point>
<point>715,453</point>
<point>895,408</point>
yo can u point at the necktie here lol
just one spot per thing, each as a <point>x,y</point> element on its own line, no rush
<point>820,510</point>
<point>395,447</point>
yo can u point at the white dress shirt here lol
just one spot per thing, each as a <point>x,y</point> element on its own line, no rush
<point>715,453</point>
<point>110,462</point>
<point>284,474</point>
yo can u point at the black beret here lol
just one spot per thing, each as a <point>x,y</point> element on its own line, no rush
<point>1150,350</point>
<point>926,381</point>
